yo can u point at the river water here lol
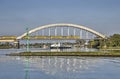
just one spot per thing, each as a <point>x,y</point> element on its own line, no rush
<point>15,67</point>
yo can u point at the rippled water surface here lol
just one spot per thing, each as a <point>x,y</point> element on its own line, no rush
<point>14,67</point>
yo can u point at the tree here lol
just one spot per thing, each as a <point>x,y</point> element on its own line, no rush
<point>80,42</point>
<point>115,40</point>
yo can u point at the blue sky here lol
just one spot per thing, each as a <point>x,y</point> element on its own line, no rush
<point>100,15</point>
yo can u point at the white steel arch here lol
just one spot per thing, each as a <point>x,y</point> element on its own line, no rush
<point>63,24</point>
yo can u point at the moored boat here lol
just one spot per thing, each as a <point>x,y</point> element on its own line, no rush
<point>59,46</point>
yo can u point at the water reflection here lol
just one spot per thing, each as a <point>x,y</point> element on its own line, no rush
<point>55,65</point>
<point>59,67</point>
<point>27,67</point>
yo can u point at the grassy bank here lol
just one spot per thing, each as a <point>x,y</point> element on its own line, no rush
<point>91,54</point>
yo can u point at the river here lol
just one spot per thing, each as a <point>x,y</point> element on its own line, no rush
<point>15,67</point>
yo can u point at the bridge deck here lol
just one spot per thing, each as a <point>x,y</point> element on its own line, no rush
<point>14,38</point>
<point>51,37</point>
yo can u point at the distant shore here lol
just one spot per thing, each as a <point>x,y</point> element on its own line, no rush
<point>86,54</point>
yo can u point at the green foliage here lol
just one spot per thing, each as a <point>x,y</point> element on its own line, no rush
<point>6,45</point>
<point>94,43</point>
<point>111,42</point>
<point>80,41</point>
<point>115,40</point>
<point>88,54</point>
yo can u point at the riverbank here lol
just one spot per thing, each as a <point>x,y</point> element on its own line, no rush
<point>87,54</point>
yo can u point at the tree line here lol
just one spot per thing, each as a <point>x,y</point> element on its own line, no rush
<point>112,41</point>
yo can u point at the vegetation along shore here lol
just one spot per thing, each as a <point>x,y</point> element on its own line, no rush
<point>88,54</point>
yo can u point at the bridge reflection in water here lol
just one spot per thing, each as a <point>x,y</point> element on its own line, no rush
<point>59,66</point>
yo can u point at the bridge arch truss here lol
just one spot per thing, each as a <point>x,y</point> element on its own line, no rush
<point>61,25</point>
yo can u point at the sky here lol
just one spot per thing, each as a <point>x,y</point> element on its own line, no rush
<point>100,15</point>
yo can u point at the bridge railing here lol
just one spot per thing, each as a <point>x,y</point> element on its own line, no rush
<point>8,37</point>
<point>50,37</point>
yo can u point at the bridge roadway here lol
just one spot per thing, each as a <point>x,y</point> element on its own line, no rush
<point>14,38</point>
<point>8,38</point>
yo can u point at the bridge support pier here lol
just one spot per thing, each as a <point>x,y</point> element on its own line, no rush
<point>17,44</point>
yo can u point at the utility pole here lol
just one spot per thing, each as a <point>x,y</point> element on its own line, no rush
<point>27,58</point>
